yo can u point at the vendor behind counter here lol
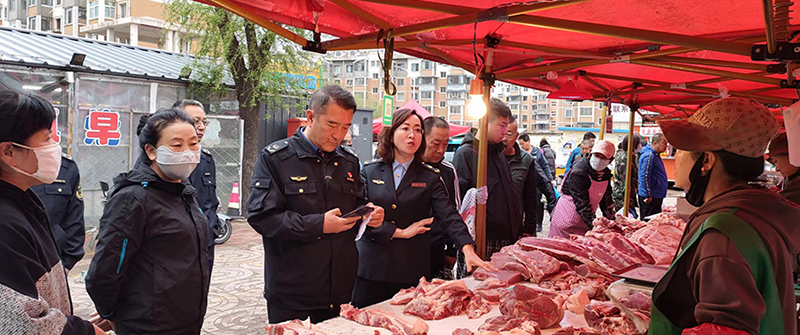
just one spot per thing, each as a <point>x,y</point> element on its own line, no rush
<point>734,272</point>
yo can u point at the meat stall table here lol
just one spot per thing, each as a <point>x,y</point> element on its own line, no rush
<point>445,326</point>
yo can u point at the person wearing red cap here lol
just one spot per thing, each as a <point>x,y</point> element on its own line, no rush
<point>733,274</point>
<point>779,156</point>
<point>586,187</point>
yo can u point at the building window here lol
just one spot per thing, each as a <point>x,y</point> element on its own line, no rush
<point>415,96</point>
<point>456,95</point>
<point>455,109</point>
<point>534,107</point>
<point>374,90</point>
<point>525,98</point>
<point>374,76</point>
<point>68,15</point>
<point>553,123</point>
<point>111,9</point>
<point>524,117</point>
<point>338,53</point>
<point>94,9</point>
<point>352,52</point>
<point>349,69</point>
<point>425,81</point>
<point>374,104</point>
<point>568,113</point>
<point>47,3</point>
<point>443,74</point>
<point>542,107</point>
<point>401,96</point>
<point>442,104</point>
<point>373,63</point>
<point>360,66</point>
<point>57,24</point>
<point>338,82</point>
<point>414,67</point>
<point>553,114</point>
<point>524,107</point>
<point>586,111</point>
<point>401,81</point>
<point>513,107</point>
<point>122,10</point>
<point>32,23</point>
<point>427,95</point>
<point>360,81</point>
<point>426,65</point>
<point>32,3</point>
<point>443,89</point>
<point>552,103</point>
<point>542,97</point>
<point>58,2</point>
<point>47,24</point>
<point>349,83</point>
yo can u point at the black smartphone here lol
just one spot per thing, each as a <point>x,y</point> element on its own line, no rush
<point>360,211</point>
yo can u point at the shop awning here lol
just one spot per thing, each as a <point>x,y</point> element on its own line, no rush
<point>675,52</point>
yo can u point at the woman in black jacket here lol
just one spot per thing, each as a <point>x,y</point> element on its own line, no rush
<point>33,286</point>
<point>149,273</point>
<point>397,254</point>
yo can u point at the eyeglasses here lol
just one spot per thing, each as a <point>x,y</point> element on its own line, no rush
<point>205,123</point>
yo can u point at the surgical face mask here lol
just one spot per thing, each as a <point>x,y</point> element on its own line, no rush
<point>177,165</point>
<point>598,164</point>
<point>697,192</point>
<point>49,158</point>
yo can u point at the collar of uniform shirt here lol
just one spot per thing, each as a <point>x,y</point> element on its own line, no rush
<point>314,148</point>
<point>398,175</point>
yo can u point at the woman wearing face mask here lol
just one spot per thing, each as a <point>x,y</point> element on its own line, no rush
<point>149,274</point>
<point>395,255</point>
<point>620,162</point>
<point>733,274</point>
<point>33,286</point>
<point>585,187</point>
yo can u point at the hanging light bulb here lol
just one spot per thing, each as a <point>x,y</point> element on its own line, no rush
<point>476,108</point>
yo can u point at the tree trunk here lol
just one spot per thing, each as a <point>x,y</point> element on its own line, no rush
<point>250,152</point>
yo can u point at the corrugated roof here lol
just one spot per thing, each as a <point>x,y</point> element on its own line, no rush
<point>39,49</point>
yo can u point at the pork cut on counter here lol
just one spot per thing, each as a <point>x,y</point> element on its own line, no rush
<point>295,327</point>
<point>378,318</point>
<point>449,298</point>
<point>527,303</point>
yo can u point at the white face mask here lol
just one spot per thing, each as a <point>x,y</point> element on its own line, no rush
<point>598,164</point>
<point>49,157</point>
<point>177,165</point>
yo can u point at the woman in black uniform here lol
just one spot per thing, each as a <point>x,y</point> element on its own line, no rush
<point>395,255</point>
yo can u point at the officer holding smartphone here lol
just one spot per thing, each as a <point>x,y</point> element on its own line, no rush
<point>300,190</point>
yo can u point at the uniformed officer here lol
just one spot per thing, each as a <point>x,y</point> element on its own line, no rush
<point>395,255</point>
<point>300,188</point>
<point>63,201</point>
<point>204,176</point>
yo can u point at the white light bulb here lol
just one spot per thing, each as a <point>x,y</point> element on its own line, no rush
<point>476,108</point>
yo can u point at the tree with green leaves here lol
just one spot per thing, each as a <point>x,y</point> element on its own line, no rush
<point>257,60</point>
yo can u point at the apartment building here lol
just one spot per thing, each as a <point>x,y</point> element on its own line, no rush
<point>444,91</point>
<point>133,22</point>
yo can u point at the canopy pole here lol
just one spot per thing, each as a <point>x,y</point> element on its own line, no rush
<point>709,71</point>
<point>483,155</point>
<point>603,122</point>
<point>358,11</point>
<point>713,62</point>
<point>628,167</point>
<point>769,24</point>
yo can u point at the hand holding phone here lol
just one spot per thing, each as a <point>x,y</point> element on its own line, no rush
<point>358,212</point>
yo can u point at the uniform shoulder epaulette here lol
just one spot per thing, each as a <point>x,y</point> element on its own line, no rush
<point>373,162</point>
<point>278,146</point>
<point>67,157</point>
<point>205,151</point>
<point>429,167</point>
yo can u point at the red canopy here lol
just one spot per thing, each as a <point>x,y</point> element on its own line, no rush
<point>677,52</point>
<point>377,124</point>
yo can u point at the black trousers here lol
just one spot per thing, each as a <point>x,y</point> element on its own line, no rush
<point>278,314</point>
<point>368,292</point>
<point>654,207</point>
<point>540,214</point>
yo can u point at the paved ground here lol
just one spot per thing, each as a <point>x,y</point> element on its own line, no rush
<point>236,304</point>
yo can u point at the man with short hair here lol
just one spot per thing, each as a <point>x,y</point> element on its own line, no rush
<point>204,176</point>
<point>652,177</point>
<point>443,250</point>
<point>579,151</point>
<point>503,213</point>
<point>301,187</point>
<point>530,181</point>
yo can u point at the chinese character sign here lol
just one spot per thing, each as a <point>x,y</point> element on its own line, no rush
<point>54,132</point>
<point>102,128</point>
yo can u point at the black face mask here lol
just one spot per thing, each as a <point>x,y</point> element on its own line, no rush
<point>696,193</point>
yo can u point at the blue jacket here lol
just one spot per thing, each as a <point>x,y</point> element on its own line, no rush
<point>652,175</point>
<point>572,158</point>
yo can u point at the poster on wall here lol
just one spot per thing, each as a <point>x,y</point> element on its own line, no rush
<point>102,128</point>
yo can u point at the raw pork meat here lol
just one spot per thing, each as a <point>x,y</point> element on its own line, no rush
<point>510,270</point>
<point>558,247</point>
<point>446,299</point>
<point>378,318</point>
<point>506,323</point>
<point>660,241</point>
<point>539,264</point>
<point>295,327</point>
<point>404,296</point>
<point>576,331</point>
<point>525,302</point>
<point>607,318</point>
<point>492,290</point>
<point>638,300</point>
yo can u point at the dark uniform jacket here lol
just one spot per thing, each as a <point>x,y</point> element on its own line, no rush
<point>34,293</point>
<point>503,212</point>
<point>63,201</point>
<point>441,241</point>
<point>420,195</point>
<point>149,273</point>
<point>204,180</point>
<point>529,185</point>
<point>293,185</point>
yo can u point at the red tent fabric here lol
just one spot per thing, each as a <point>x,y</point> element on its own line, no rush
<point>683,52</point>
<point>377,124</point>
